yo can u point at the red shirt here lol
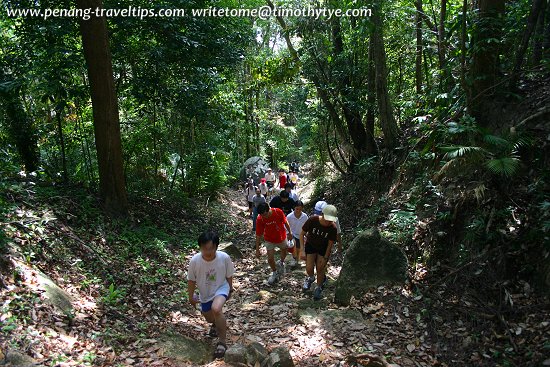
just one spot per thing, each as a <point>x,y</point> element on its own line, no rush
<point>282,181</point>
<point>272,228</point>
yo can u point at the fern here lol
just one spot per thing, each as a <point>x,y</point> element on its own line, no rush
<point>462,151</point>
<point>506,166</point>
<point>497,141</point>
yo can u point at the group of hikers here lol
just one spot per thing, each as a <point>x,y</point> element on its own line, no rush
<point>281,224</point>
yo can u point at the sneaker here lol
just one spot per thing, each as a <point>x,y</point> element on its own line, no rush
<point>307,283</point>
<point>272,278</point>
<point>280,267</point>
<point>292,262</point>
<point>317,293</point>
<point>324,282</point>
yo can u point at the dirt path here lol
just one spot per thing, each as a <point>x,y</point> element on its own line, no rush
<point>317,333</point>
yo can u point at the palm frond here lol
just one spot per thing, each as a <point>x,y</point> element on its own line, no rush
<point>462,151</point>
<point>506,166</point>
<point>497,141</point>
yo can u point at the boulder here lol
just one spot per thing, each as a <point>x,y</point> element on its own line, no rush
<point>184,349</point>
<point>370,261</point>
<point>255,352</point>
<point>279,357</point>
<point>230,249</point>
<point>235,355</point>
<point>255,167</point>
<point>17,359</point>
<point>55,295</point>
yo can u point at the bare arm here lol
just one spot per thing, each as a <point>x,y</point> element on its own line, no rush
<point>191,286</point>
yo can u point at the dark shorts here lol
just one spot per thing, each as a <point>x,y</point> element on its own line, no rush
<point>205,307</point>
<point>297,242</point>
<point>250,204</point>
<point>270,184</point>
<point>311,250</point>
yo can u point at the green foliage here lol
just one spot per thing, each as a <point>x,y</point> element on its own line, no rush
<point>113,296</point>
<point>400,226</point>
<point>497,154</point>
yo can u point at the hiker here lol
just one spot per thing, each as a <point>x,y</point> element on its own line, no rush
<point>320,235</point>
<point>211,272</point>
<point>294,179</point>
<point>318,209</point>
<point>291,193</point>
<point>256,200</point>
<point>270,179</point>
<point>250,191</point>
<point>283,202</point>
<point>263,187</point>
<point>294,166</point>
<point>296,220</point>
<point>273,228</point>
<point>282,179</point>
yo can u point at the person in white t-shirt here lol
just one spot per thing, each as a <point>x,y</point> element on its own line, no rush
<point>270,179</point>
<point>211,272</point>
<point>296,220</point>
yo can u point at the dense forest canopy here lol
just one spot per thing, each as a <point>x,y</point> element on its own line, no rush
<point>426,119</point>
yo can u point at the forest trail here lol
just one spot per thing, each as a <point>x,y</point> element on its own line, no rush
<point>317,333</point>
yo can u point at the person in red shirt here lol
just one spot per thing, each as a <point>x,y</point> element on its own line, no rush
<point>273,228</point>
<point>282,179</point>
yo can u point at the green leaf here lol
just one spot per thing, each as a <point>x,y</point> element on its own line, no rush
<point>506,166</point>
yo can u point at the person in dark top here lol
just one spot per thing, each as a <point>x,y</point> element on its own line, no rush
<point>319,233</point>
<point>283,202</point>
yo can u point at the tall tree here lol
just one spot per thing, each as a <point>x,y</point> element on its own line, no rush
<point>112,186</point>
<point>418,58</point>
<point>21,129</point>
<point>485,63</point>
<point>385,109</point>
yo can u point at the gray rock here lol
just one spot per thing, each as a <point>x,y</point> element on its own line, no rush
<point>185,350</point>
<point>255,167</point>
<point>55,295</point>
<point>230,249</point>
<point>370,261</point>
<point>16,359</point>
<point>255,352</point>
<point>279,357</point>
<point>235,355</point>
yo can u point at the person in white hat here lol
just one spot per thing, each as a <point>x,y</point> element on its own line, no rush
<point>319,233</point>
<point>318,210</point>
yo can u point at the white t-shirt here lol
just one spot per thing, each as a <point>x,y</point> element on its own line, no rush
<point>250,193</point>
<point>263,188</point>
<point>296,223</point>
<point>270,177</point>
<point>211,276</point>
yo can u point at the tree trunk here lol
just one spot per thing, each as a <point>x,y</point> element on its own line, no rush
<point>539,35</point>
<point>387,120</point>
<point>531,23</point>
<point>546,41</point>
<point>418,67</point>
<point>62,144</point>
<point>371,103</point>
<point>463,48</point>
<point>442,47</point>
<point>21,130</point>
<point>485,63</point>
<point>112,185</point>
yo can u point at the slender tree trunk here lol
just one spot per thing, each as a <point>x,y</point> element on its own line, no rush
<point>21,129</point>
<point>371,104</point>
<point>463,47</point>
<point>112,185</point>
<point>531,23</point>
<point>539,35</point>
<point>387,120</point>
<point>546,37</point>
<point>442,47</point>
<point>62,144</point>
<point>418,67</point>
